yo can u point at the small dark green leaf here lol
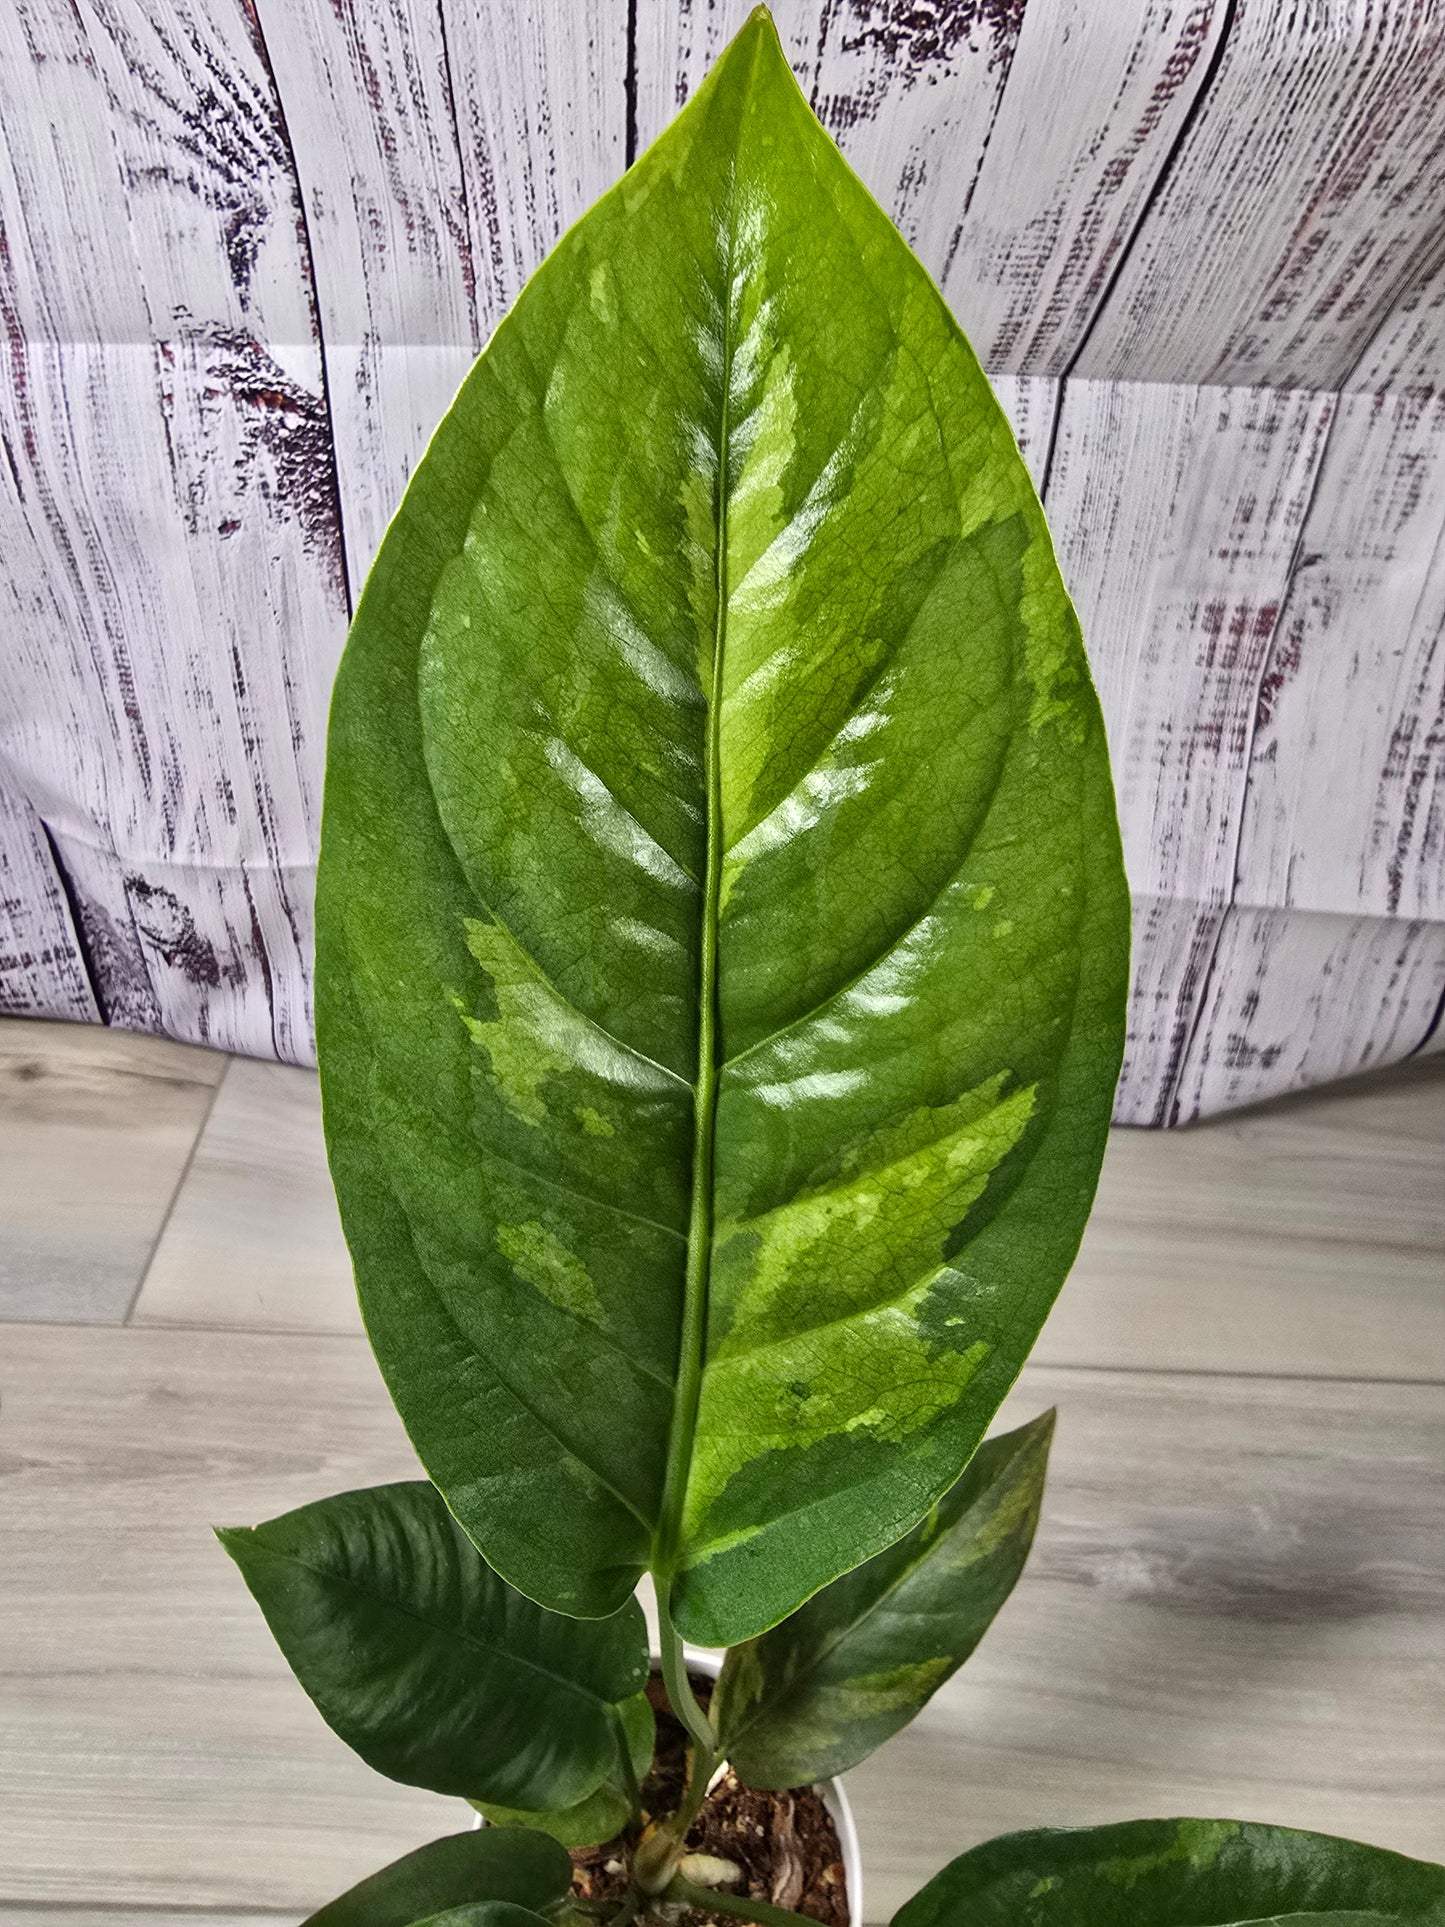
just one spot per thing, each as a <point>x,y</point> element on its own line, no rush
<point>1178,1873</point>
<point>527,1869</point>
<point>825,1687</point>
<point>427,1663</point>
<point>603,1813</point>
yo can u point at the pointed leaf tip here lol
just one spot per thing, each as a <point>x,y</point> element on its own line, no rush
<point>754,54</point>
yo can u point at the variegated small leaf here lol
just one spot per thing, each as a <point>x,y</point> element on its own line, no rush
<point>850,1668</point>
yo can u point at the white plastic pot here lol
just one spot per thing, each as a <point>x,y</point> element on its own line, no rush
<point>831,1791</point>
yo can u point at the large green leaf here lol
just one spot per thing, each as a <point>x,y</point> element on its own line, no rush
<point>1177,1873</point>
<point>721,927</point>
<point>527,1869</point>
<point>432,1667</point>
<point>850,1668</point>
<point>604,1813</point>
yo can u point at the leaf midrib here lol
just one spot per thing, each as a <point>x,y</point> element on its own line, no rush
<point>700,1226</point>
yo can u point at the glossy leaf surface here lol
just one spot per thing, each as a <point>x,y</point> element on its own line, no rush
<point>526,1869</point>
<point>428,1664</point>
<point>1178,1873</point>
<point>850,1668</point>
<point>604,1813</point>
<point>722,934</point>
<point>484,1913</point>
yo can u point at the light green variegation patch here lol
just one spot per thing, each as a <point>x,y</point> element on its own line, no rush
<point>516,1041</point>
<point>1193,1843</point>
<point>600,288</point>
<point>1000,1528</point>
<point>766,441</point>
<point>872,1376</point>
<point>860,1242</point>
<point>544,1261</point>
<point>537,1034</point>
<point>1062,695</point>
<point>895,1688</point>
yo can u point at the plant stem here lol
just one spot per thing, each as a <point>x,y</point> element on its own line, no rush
<point>632,1902</point>
<point>657,1855</point>
<point>717,1902</point>
<point>700,1728</point>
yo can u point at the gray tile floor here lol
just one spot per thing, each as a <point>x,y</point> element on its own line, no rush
<point>1236,1604</point>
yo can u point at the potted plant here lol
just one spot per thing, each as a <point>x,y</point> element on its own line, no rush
<point>722,951</point>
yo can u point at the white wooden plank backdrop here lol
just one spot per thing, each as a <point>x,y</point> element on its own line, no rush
<point>249,247</point>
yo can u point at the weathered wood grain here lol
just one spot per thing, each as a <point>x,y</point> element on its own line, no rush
<point>1346,803</point>
<point>42,971</point>
<point>541,108</point>
<point>1179,587</point>
<point>1346,800</point>
<point>25,1916</point>
<point>169,503</point>
<point>1031,403</point>
<point>1295,997</point>
<point>1407,350</point>
<point>366,90</point>
<point>1173,950</point>
<point>1306,189</point>
<point>1233,1607</point>
<point>1094,100</point>
<point>1343,818</point>
<point>204,1776</point>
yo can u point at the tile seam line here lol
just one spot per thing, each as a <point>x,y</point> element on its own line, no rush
<point>1040,1364</point>
<point>1223,1371</point>
<point>179,1911</point>
<point>176,1190</point>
